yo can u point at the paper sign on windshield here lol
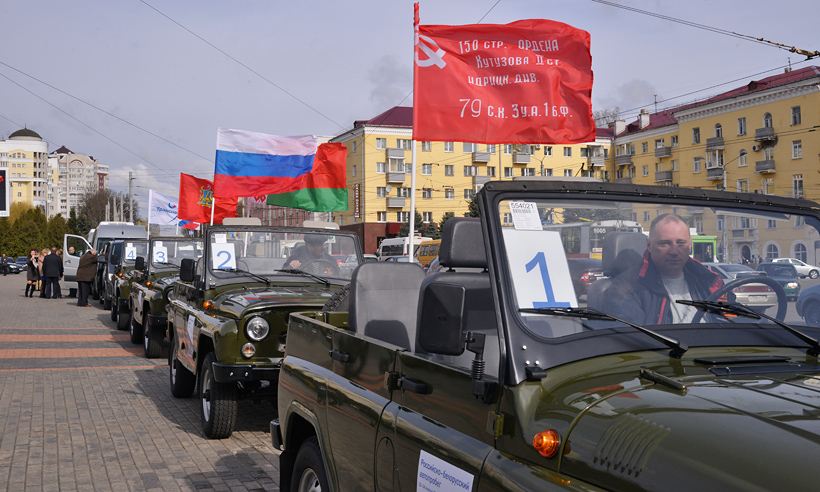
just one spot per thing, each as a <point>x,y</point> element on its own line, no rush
<point>160,255</point>
<point>525,216</point>
<point>130,253</point>
<point>539,269</point>
<point>222,256</point>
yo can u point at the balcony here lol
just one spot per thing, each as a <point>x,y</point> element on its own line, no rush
<point>481,157</point>
<point>395,177</point>
<point>715,143</point>
<point>395,153</point>
<point>624,180</point>
<point>663,152</point>
<point>663,176</point>
<point>395,201</point>
<point>765,134</point>
<point>595,161</point>
<point>519,158</point>
<point>480,180</point>
<point>715,173</point>
<point>623,160</point>
<point>764,167</point>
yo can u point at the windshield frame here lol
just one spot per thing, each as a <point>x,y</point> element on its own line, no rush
<point>551,352</point>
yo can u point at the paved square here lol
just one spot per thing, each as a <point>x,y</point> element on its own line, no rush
<point>82,409</point>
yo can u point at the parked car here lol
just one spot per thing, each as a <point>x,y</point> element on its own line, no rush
<point>14,267</point>
<point>757,296</point>
<point>808,305</point>
<point>583,272</point>
<point>803,268</point>
<point>785,274</point>
<point>351,262</point>
<point>403,259</point>
<point>21,261</point>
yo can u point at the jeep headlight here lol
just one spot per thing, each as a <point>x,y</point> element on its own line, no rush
<point>257,329</point>
<point>792,285</point>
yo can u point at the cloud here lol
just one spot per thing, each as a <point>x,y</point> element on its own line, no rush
<point>392,81</point>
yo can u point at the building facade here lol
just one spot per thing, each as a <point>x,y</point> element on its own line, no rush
<point>72,176</point>
<point>25,155</point>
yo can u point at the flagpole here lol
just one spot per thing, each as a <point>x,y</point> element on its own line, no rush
<point>412,229</point>
<point>213,206</point>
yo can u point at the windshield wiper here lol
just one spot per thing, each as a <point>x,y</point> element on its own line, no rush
<point>722,308</point>
<point>678,347</point>
<point>254,275</point>
<point>296,271</point>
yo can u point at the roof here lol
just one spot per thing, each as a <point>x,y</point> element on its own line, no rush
<point>63,150</point>
<point>398,116</point>
<point>25,133</point>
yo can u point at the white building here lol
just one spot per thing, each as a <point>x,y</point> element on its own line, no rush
<point>71,176</point>
<point>25,155</point>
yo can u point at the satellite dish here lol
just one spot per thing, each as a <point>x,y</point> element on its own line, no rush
<point>388,188</point>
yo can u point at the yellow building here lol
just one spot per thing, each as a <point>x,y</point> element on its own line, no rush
<point>758,138</point>
<point>448,174</point>
<point>25,156</point>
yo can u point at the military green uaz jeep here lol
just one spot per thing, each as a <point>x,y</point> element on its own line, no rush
<point>154,278</point>
<point>228,313</point>
<point>118,275</point>
<point>495,374</point>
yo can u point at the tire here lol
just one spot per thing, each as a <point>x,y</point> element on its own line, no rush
<point>151,340</point>
<point>136,332</point>
<point>95,292</point>
<point>182,380</point>
<point>340,301</point>
<point>123,320</point>
<point>309,469</point>
<point>106,302</point>
<point>114,309</point>
<point>814,274</point>
<point>218,402</point>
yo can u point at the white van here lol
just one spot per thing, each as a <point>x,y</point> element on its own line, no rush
<point>398,246</point>
<point>104,233</point>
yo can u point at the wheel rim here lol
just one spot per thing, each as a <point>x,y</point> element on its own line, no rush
<point>145,338</point>
<point>206,391</point>
<point>813,317</point>
<point>309,482</point>
<point>173,365</point>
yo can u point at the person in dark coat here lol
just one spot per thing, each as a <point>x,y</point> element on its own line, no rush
<point>646,294</point>
<point>86,271</point>
<point>32,273</point>
<point>53,272</point>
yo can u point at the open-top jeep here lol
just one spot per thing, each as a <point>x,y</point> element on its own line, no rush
<point>228,313</point>
<point>154,277</point>
<point>118,275</point>
<point>500,378</point>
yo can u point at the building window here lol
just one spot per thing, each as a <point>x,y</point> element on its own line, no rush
<point>796,119</point>
<point>491,148</point>
<point>644,170</point>
<point>741,158</point>
<point>426,146</point>
<point>449,194</point>
<point>584,152</point>
<point>381,167</point>
<point>567,151</point>
<point>381,143</point>
<point>718,131</point>
<point>403,143</point>
<point>772,251</point>
<point>674,140</point>
<point>646,217</point>
<point>470,147</point>
<point>799,221</point>
<point>426,169</point>
<point>491,171</point>
<point>403,217</point>
<point>695,135</point>
<point>448,146</point>
<point>743,186</point>
<point>800,252</point>
<point>469,193</point>
<point>381,216</point>
<point>471,170</point>
<point>797,186</point>
<point>767,120</point>
<point>353,147</point>
<point>548,150</point>
<point>568,173</point>
<point>674,164</point>
<point>771,224</point>
<point>720,222</point>
<point>659,167</point>
<point>548,172</point>
<point>427,217</point>
<point>353,168</point>
<point>403,192</point>
<point>659,143</point>
<point>741,126</point>
<point>449,170</point>
<point>528,171</point>
<point>797,149</point>
<point>427,193</point>
<point>508,149</point>
<point>396,165</point>
<point>768,186</point>
<point>508,172</point>
<point>508,218</point>
<point>644,147</point>
<point>381,192</point>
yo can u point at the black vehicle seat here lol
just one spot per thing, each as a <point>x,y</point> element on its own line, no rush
<point>621,251</point>
<point>464,262</point>
<point>384,302</point>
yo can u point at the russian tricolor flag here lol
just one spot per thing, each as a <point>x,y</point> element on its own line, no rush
<point>303,173</point>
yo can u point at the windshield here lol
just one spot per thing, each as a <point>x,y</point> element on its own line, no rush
<point>643,273</point>
<point>168,254</point>
<point>132,249</point>
<point>271,253</point>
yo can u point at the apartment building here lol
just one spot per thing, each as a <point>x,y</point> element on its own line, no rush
<point>72,175</point>
<point>25,156</point>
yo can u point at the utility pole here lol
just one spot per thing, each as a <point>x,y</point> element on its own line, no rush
<point>130,197</point>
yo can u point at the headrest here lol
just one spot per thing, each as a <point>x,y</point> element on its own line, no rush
<point>462,244</point>
<point>622,251</point>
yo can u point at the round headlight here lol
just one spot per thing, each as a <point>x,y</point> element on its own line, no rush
<point>257,329</point>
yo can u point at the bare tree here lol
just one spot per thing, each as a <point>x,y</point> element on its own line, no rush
<point>604,117</point>
<point>92,206</point>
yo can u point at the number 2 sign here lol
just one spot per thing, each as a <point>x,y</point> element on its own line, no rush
<point>539,269</point>
<point>222,256</point>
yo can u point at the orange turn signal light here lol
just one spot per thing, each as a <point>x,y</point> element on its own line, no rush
<point>208,305</point>
<point>149,284</point>
<point>547,443</point>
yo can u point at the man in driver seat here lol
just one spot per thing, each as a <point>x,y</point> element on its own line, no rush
<point>646,294</point>
<point>313,250</point>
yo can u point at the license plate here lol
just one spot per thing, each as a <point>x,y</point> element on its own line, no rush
<point>758,298</point>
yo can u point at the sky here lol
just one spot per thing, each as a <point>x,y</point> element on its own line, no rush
<point>143,85</point>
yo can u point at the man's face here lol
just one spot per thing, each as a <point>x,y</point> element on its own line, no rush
<point>71,250</point>
<point>315,249</point>
<point>669,247</point>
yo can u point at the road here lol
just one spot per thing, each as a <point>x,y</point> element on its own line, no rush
<point>82,409</point>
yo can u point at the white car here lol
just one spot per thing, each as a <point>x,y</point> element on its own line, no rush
<point>803,268</point>
<point>756,296</point>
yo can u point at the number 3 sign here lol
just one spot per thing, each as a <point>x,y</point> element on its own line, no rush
<point>539,269</point>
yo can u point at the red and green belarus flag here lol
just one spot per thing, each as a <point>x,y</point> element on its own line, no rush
<point>293,172</point>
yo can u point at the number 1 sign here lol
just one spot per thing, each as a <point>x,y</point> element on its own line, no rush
<point>539,269</point>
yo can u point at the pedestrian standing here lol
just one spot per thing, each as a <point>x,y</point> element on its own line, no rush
<point>42,284</point>
<point>32,273</point>
<point>4,262</point>
<point>52,272</point>
<point>57,284</point>
<point>86,271</point>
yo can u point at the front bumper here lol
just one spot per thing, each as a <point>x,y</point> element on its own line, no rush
<point>158,321</point>
<point>227,373</point>
<point>122,305</point>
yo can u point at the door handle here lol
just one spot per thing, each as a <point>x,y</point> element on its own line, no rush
<point>412,386</point>
<point>339,356</point>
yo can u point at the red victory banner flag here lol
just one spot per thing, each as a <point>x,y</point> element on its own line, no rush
<point>196,197</point>
<point>526,82</point>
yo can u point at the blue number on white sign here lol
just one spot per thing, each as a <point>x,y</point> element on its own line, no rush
<point>227,259</point>
<point>131,254</point>
<point>541,262</point>
<point>160,257</point>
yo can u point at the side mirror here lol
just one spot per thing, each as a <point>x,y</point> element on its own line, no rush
<point>441,320</point>
<point>187,270</point>
<point>139,263</point>
<point>115,259</point>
